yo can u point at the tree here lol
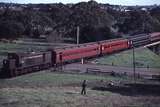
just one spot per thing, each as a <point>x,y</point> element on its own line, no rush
<point>10,29</point>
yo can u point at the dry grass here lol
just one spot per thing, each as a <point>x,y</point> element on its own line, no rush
<point>69,97</point>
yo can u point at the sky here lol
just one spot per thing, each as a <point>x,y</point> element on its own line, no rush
<point>119,2</point>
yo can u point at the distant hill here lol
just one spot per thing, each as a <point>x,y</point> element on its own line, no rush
<point>58,21</point>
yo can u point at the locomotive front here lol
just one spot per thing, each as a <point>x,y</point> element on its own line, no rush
<point>23,63</point>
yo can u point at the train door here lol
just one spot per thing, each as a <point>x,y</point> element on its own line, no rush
<point>54,58</point>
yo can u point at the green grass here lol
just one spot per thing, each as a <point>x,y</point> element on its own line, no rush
<point>41,79</point>
<point>52,97</point>
<point>50,89</point>
<point>11,47</point>
<point>143,57</point>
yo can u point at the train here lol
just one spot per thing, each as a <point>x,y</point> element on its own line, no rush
<point>23,63</point>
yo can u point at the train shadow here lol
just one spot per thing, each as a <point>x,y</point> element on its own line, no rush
<point>133,89</point>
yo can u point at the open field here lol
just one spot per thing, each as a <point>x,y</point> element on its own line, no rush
<point>12,47</point>
<point>143,57</point>
<point>50,89</point>
<point>47,79</point>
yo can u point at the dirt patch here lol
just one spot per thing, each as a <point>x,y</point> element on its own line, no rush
<point>132,89</point>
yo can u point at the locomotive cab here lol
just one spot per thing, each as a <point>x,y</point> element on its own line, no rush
<point>9,64</point>
<point>5,63</point>
<point>16,57</point>
<point>8,67</point>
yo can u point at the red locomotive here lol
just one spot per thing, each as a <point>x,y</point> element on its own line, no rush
<point>23,63</point>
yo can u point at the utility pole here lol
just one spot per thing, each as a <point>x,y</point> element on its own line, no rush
<point>78,35</point>
<point>134,65</point>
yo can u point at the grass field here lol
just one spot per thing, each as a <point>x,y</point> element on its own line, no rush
<point>49,89</point>
<point>12,47</point>
<point>144,57</point>
<point>53,79</point>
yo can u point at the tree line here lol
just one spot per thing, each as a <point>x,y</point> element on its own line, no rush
<point>59,21</point>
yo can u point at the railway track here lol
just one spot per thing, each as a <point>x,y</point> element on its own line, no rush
<point>104,69</point>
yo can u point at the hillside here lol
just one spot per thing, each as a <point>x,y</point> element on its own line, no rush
<point>58,22</point>
<point>143,58</point>
<point>50,89</point>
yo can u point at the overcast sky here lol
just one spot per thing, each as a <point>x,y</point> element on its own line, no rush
<point>120,2</point>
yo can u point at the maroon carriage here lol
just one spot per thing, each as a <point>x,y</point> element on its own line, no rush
<point>76,52</point>
<point>155,36</point>
<point>114,45</point>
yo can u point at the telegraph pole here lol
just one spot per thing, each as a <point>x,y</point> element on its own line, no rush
<point>78,29</point>
<point>134,65</point>
<point>78,35</point>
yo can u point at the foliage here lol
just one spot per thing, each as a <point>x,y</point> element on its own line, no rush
<point>10,29</point>
<point>95,22</point>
